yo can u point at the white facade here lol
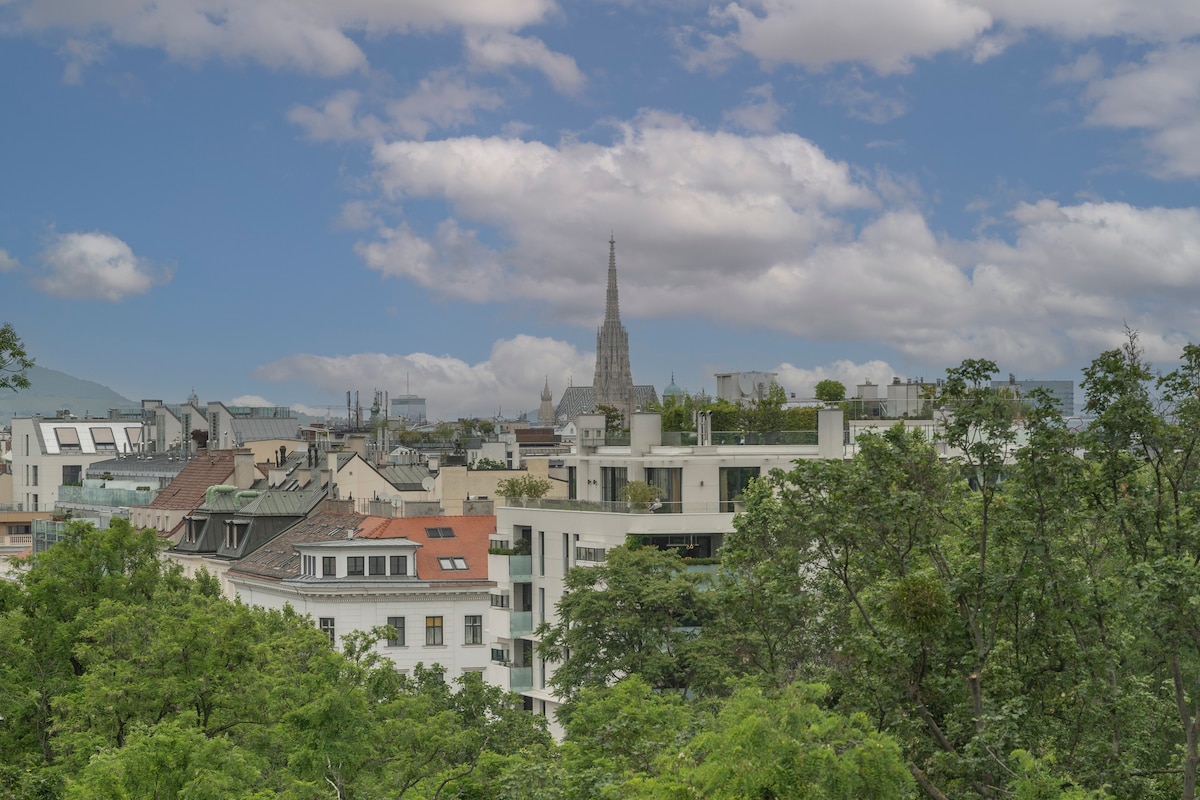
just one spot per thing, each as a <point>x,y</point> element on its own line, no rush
<point>701,493</point>
<point>437,621</point>
<point>48,452</point>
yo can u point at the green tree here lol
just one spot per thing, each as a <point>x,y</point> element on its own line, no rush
<point>765,415</point>
<point>784,745</point>
<point>640,494</point>
<point>614,420</point>
<point>522,486</point>
<point>635,613</point>
<point>14,361</point>
<point>830,391</point>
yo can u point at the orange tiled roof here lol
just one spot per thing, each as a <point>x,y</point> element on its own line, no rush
<point>470,542</point>
<point>186,491</point>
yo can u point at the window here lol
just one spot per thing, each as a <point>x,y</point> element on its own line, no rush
<point>572,487</point>
<point>541,604</point>
<point>500,600</point>
<point>68,438</point>
<point>397,625</point>
<point>354,565</point>
<point>473,629</point>
<point>103,439</point>
<point>453,563</point>
<point>72,475</point>
<point>612,481</point>
<point>328,629</point>
<point>669,481</point>
<point>34,482</point>
<point>329,566</point>
<point>440,533</point>
<point>376,565</point>
<point>500,655</point>
<point>235,533</point>
<point>592,554</point>
<point>399,565</point>
<point>733,481</point>
<point>542,553</point>
<point>433,630</point>
<point>566,553</point>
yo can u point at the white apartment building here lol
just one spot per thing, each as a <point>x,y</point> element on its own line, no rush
<point>424,576</point>
<point>700,486</point>
<point>49,452</point>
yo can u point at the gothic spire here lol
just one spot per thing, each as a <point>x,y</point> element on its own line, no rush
<point>612,309</point>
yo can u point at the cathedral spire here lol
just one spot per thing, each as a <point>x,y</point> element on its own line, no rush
<point>612,308</point>
<point>612,384</point>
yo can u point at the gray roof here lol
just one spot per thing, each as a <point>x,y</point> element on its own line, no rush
<point>159,465</point>
<point>264,429</point>
<point>406,478</point>
<point>274,503</point>
<point>578,400</point>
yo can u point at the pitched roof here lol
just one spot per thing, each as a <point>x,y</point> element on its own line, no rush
<point>469,542</point>
<point>578,400</point>
<point>186,491</point>
<point>278,557</point>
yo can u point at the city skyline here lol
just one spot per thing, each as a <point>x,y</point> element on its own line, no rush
<point>280,205</point>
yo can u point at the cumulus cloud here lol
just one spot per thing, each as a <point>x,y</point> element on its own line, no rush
<point>803,381</point>
<point>1160,95</point>
<point>754,231</point>
<point>96,266</point>
<point>442,100</point>
<point>308,35</point>
<point>7,262</point>
<point>698,206</point>
<point>884,34</point>
<point>510,380</point>
<point>759,114</point>
<point>499,50</point>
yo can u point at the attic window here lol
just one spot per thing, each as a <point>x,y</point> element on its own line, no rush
<point>440,533</point>
<point>104,439</point>
<point>68,438</point>
<point>453,563</point>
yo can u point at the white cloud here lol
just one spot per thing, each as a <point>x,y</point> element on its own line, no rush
<point>803,381</point>
<point>95,266</point>
<point>441,100</point>
<point>759,114</point>
<point>307,35</point>
<point>753,231</point>
<point>7,262</point>
<point>510,380</point>
<point>885,34</point>
<point>1160,95</point>
<point>698,206</point>
<point>498,50</point>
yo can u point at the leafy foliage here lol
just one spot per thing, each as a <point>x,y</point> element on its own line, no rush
<point>14,360</point>
<point>524,486</point>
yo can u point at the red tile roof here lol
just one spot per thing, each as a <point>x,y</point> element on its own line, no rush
<point>186,491</point>
<point>470,542</point>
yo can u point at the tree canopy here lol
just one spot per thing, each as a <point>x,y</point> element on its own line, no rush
<point>14,360</point>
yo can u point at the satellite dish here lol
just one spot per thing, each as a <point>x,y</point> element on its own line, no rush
<point>427,483</point>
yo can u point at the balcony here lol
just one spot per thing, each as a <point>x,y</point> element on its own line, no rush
<point>520,679</point>
<point>94,496</point>
<point>520,568</point>
<point>520,623</point>
<point>620,507</point>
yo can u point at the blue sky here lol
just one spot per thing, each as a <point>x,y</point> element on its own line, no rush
<point>284,200</point>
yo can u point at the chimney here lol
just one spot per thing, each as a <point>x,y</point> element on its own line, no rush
<point>243,467</point>
<point>332,471</point>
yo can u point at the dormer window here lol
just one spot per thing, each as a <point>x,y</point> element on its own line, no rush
<point>68,438</point>
<point>399,565</point>
<point>453,563</point>
<point>103,439</point>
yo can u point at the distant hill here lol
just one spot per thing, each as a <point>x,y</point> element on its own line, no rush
<point>51,390</point>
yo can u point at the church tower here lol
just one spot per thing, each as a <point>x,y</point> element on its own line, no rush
<point>612,384</point>
<point>546,410</point>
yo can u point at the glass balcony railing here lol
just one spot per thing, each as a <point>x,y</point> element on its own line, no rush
<point>520,568</point>
<point>520,679</point>
<point>520,623</point>
<point>96,496</point>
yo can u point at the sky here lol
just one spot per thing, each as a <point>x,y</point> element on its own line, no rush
<point>281,201</point>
